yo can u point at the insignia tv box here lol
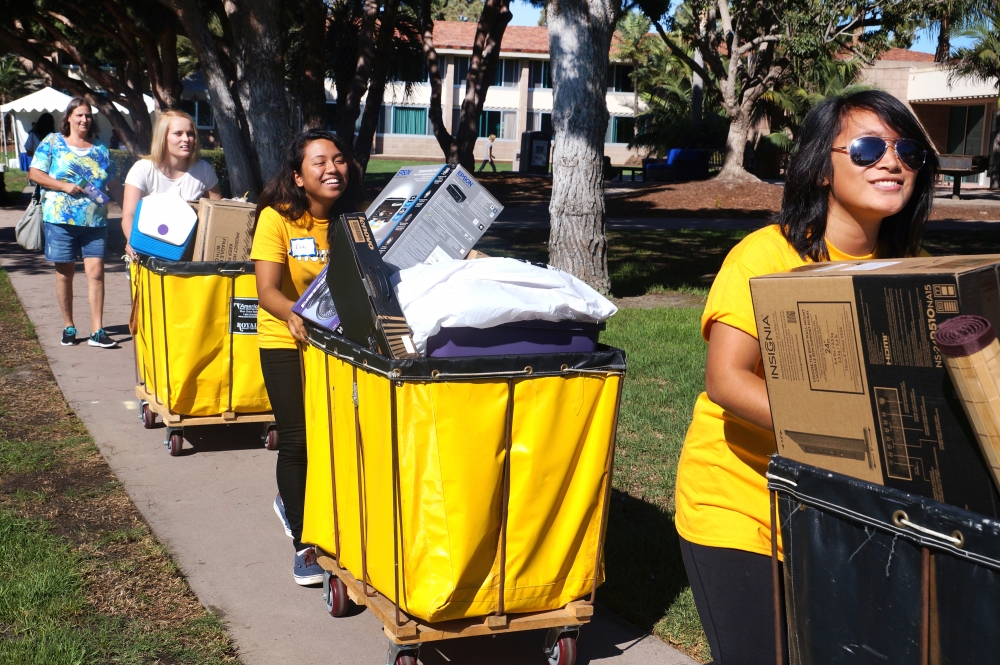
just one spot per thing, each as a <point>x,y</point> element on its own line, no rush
<point>856,382</point>
<point>362,293</point>
<point>434,213</point>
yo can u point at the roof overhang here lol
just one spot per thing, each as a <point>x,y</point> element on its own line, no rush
<point>932,86</point>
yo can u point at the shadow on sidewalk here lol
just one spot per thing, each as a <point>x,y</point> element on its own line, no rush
<point>220,438</point>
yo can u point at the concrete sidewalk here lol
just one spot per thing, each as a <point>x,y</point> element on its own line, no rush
<point>211,507</point>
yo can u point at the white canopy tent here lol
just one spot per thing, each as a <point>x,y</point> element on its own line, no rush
<point>26,110</point>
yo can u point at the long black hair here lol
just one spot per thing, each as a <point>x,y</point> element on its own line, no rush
<point>45,125</point>
<point>805,203</point>
<point>282,194</point>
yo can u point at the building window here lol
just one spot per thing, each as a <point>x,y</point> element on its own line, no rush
<point>502,124</point>
<point>621,129</point>
<point>540,122</point>
<point>966,127</point>
<point>407,120</point>
<point>620,78</point>
<point>508,73</point>
<point>541,74</point>
<point>461,70</point>
<point>201,112</point>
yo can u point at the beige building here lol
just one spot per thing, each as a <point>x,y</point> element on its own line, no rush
<point>520,100</point>
<point>960,116</point>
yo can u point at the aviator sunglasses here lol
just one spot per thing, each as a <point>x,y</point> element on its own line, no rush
<point>868,150</point>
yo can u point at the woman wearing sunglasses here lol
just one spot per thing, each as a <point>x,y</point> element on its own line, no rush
<point>860,186</point>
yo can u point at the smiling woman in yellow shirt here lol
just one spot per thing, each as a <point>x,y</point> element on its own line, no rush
<point>859,187</point>
<point>317,180</point>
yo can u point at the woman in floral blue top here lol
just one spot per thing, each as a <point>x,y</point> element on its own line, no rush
<point>78,177</point>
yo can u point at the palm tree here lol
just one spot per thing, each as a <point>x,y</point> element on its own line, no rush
<point>633,46</point>
<point>981,62</point>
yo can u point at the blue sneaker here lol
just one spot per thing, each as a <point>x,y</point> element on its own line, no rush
<point>279,508</point>
<point>307,571</point>
<point>101,339</point>
<point>69,336</point>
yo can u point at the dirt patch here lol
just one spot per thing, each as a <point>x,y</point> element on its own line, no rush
<point>50,470</point>
<point>657,300</point>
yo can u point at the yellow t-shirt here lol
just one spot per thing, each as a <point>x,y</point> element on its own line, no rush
<point>272,241</point>
<point>721,496</point>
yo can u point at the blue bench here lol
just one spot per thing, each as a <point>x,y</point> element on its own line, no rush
<point>680,164</point>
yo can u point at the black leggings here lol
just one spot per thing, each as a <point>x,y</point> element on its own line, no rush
<point>733,593</point>
<point>283,380</point>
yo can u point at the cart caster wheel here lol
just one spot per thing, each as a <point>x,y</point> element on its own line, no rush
<point>402,655</point>
<point>334,595</point>
<point>271,438</point>
<point>175,442</point>
<point>563,650</point>
<point>147,416</point>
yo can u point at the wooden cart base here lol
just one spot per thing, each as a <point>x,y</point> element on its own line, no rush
<point>149,408</point>
<point>407,633</point>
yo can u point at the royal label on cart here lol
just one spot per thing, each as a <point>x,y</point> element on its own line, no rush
<point>856,382</point>
<point>243,316</point>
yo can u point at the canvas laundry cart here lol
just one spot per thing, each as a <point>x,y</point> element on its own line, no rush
<point>461,496</point>
<point>196,356</point>
<point>876,575</point>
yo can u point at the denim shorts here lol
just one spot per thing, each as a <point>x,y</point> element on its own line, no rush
<point>65,243</point>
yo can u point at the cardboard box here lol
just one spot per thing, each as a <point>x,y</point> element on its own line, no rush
<point>225,231</point>
<point>435,212</point>
<point>855,381</point>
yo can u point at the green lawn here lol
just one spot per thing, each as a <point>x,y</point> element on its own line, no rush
<point>15,181</point>
<point>380,171</point>
<point>646,582</point>
<point>82,579</point>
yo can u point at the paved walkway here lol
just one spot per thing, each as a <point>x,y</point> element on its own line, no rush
<point>212,508</point>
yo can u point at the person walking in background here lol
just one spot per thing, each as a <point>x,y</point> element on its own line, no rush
<point>39,130</point>
<point>171,165</point>
<point>77,174</point>
<point>860,186</point>
<point>488,155</point>
<point>317,181</point>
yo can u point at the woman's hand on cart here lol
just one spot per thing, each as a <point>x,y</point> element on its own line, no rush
<point>297,327</point>
<point>131,252</point>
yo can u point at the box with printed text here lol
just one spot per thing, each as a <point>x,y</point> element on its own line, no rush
<point>435,213</point>
<point>855,380</point>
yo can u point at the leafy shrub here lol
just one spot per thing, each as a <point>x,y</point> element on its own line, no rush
<point>217,158</point>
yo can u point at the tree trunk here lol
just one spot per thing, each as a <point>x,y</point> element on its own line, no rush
<point>436,113</point>
<point>260,78</point>
<point>376,86</point>
<point>314,65</point>
<point>943,51</point>
<point>736,147</point>
<point>241,161</point>
<point>351,108</point>
<point>579,40</point>
<point>697,89</point>
<point>995,154</point>
<point>482,72</point>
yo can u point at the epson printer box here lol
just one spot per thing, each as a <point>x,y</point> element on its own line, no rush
<point>434,212</point>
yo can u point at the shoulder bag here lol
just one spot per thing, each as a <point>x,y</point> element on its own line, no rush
<point>29,232</point>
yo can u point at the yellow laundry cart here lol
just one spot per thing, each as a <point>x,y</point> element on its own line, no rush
<point>196,356</point>
<point>461,496</point>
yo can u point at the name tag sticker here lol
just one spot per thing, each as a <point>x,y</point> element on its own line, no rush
<point>303,247</point>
